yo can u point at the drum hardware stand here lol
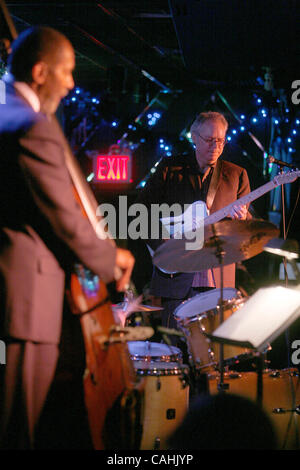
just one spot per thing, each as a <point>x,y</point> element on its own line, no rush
<point>220,253</point>
<point>124,334</point>
<point>283,410</point>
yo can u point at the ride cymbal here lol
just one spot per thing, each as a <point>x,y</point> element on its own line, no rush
<point>237,240</point>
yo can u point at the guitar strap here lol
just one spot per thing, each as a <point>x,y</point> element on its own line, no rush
<point>213,185</point>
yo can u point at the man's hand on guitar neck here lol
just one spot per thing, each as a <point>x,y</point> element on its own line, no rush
<point>238,212</point>
<point>123,269</point>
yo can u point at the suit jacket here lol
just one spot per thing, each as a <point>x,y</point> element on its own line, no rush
<point>42,228</point>
<point>175,181</point>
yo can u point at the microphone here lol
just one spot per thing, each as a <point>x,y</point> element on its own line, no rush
<point>281,163</point>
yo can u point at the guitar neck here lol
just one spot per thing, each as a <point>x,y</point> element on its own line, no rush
<point>222,213</point>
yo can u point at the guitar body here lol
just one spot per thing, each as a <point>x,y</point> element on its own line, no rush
<point>113,398</point>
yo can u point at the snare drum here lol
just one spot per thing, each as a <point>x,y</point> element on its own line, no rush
<point>153,352</point>
<point>280,390</point>
<point>166,401</point>
<point>202,314</point>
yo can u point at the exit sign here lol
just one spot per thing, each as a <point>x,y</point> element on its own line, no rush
<point>112,168</point>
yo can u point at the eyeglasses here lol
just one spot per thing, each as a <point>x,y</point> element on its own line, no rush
<point>211,140</point>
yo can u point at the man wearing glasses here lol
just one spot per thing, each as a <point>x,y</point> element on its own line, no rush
<point>200,175</point>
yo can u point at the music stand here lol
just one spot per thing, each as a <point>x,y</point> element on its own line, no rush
<point>269,312</point>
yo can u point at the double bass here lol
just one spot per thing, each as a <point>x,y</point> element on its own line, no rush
<point>113,393</point>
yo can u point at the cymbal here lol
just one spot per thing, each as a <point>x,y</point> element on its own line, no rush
<point>140,308</point>
<point>120,334</point>
<point>128,333</point>
<point>238,239</point>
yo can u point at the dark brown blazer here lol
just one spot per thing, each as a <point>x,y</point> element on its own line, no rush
<point>175,181</point>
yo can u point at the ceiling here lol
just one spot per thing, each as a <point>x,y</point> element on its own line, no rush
<point>172,43</point>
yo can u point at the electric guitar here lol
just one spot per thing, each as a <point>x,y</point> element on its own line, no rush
<point>183,223</point>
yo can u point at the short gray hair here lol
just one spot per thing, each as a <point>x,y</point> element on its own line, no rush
<point>208,116</point>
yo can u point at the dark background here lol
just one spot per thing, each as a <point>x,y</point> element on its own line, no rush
<point>178,58</point>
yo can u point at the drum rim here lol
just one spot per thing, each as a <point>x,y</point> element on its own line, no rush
<point>172,350</point>
<point>208,313</point>
<point>202,294</point>
<point>170,368</point>
<point>155,359</point>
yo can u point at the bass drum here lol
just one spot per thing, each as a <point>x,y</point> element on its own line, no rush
<point>280,391</point>
<point>201,314</point>
<point>166,401</point>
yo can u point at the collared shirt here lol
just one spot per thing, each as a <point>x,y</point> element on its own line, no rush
<point>27,92</point>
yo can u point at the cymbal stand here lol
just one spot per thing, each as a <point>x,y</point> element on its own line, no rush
<point>220,253</point>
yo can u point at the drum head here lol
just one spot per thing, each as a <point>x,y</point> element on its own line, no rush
<point>141,350</point>
<point>203,302</point>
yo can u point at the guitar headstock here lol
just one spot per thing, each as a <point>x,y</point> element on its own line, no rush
<point>288,177</point>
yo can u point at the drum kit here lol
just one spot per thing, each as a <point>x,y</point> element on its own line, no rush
<point>168,379</point>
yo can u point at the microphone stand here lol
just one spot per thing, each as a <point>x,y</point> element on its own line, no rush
<point>281,166</point>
